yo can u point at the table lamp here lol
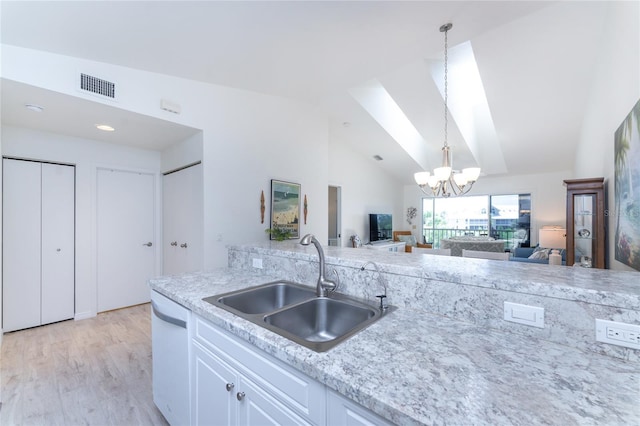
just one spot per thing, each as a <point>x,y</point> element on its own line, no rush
<point>555,238</point>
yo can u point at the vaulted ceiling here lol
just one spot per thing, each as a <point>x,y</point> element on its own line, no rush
<point>536,61</point>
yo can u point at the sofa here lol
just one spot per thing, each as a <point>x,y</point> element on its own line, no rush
<point>524,254</point>
<point>471,242</point>
<point>409,239</point>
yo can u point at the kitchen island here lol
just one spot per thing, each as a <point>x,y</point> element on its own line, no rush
<point>439,361</point>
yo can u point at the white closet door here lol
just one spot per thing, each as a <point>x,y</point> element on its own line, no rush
<point>126,248</point>
<point>182,220</point>
<point>58,235</point>
<point>21,244</point>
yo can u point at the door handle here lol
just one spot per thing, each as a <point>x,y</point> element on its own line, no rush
<point>149,244</point>
<point>167,318</point>
<point>183,245</point>
<point>174,243</point>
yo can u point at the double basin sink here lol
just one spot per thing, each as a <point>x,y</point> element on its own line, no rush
<point>295,312</point>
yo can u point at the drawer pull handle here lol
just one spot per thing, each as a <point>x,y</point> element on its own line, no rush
<point>240,396</point>
<point>229,386</point>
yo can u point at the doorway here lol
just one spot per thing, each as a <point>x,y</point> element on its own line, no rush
<point>335,225</point>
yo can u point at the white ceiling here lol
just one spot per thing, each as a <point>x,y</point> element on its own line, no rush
<point>536,60</point>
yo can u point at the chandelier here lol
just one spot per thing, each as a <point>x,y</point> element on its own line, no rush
<point>445,181</point>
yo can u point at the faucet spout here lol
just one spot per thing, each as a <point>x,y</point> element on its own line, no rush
<point>324,285</point>
<point>383,296</point>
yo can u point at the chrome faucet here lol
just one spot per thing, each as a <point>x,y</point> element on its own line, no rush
<point>383,297</point>
<point>324,285</point>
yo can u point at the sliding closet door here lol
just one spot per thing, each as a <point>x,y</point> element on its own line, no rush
<point>21,244</point>
<point>58,235</point>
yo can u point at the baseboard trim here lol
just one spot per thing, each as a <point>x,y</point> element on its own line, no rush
<point>84,315</point>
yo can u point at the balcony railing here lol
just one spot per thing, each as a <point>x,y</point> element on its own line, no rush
<point>513,237</point>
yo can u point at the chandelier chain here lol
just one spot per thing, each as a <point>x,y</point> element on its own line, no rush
<point>446,91</point>
<point>446,182</point>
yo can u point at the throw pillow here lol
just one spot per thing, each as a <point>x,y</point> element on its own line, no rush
<point>409,240</point>
<point>540,253</point>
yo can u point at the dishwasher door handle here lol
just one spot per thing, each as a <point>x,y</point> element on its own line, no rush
<point>167,318</point>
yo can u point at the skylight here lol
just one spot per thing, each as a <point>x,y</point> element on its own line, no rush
<point>375,99</point>
<point>468,106</point>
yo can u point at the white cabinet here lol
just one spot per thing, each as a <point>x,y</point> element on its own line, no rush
<point>182,220</point>
<point>233,383</point>
<point>343,411</point>
<point>38,243</point>
<point>225,396</point>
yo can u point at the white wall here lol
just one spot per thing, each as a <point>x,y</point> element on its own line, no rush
<point>548,197</point>
<point>365,189</point>
<point>87,156</point>
<point>247,140</point>
<point>615,90</point>
<point>183,153</point>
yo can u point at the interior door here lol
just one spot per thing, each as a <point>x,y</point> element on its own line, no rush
<point>182,220</point>
<point>125,237</point>
<point>21,210</point>
<point>335,237</point>
<point>58,242</point>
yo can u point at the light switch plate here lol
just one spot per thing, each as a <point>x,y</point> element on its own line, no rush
<point>524,314</point>
<point>257,263</point>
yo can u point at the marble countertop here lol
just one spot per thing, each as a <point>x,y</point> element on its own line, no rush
<point>413,367</point>
<point>590,285</point>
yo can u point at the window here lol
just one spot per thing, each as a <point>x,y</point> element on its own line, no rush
<point>503,217</point>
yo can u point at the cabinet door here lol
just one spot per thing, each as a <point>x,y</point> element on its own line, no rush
<point>256,407</point>
<point>58,234</point>
<point>214,390</point>
<point>342,411</point>
<point>182,220</point>
<point>21,244</point>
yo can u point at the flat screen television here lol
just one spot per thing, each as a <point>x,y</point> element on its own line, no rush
<point>380,226</point>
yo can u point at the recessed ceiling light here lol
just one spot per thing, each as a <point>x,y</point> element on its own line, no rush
<point>34,107</point>
<point>105,127</point>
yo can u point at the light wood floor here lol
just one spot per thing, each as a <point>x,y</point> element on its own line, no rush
<point>90,372</point>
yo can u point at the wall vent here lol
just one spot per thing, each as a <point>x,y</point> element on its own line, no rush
<point>98,86</point>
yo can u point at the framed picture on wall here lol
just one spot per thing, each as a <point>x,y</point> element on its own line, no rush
<point>285,208</point>
<point>627,190</point>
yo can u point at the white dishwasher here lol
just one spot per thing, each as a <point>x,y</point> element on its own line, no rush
<point>170,354</point>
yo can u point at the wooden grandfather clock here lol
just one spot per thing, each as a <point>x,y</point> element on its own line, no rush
<point>586,222</point>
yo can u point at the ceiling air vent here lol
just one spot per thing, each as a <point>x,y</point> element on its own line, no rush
<point>98,86</point>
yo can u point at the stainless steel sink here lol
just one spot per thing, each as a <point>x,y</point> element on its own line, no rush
<point>294,311</point>
<point>264,298</point>
<point>322,322</point>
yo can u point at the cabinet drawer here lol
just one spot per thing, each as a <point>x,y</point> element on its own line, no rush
<point>294,389</point>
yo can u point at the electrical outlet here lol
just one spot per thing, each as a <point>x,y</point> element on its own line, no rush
<point>618,333</point>
<point>257,263</point>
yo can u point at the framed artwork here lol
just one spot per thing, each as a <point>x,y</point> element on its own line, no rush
<point>285,208</point>
<point>627,189</point>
